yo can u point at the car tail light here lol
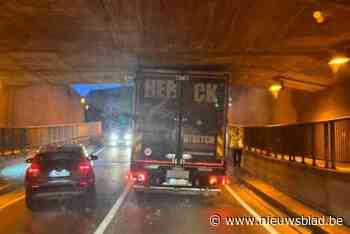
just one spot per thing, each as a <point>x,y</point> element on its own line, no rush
<point>87,175</point>
<point>84,167</point>
<point>34,170</point>
<point>83,183</point>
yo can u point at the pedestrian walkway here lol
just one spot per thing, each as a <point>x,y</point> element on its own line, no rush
<point>339,166</point>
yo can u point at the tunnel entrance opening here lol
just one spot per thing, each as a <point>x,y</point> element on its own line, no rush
<point>111,104</point>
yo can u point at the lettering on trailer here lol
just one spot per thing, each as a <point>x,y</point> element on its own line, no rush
<point>196,139</point>
<point>203,92</point>
<point>160,88</point>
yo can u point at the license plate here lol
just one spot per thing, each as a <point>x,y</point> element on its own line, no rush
<point>178,182</point>
<point>179,174</point>
<point>61,173</point>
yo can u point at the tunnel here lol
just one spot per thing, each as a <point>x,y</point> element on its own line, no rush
<point>276,77</point>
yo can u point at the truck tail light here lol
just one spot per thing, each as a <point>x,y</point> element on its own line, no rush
<point>225,180</point>
<point>141,177</point>
<point>213,180</point>
<point>217,180</point>
<point>138,176</point>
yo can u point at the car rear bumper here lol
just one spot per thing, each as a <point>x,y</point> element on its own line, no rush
<point>57,192</point>
<point>58,195</point>
<point>177,190</point>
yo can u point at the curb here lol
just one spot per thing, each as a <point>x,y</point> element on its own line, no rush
<point>283,207</point>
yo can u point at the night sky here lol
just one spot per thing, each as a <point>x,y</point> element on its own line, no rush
<point>84,89</point>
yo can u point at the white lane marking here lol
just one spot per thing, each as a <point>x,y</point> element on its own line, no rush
<point>112,212</point>
<point>269,228</point>
<point>3,206</point>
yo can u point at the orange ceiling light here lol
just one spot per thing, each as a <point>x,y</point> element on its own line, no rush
<point>338,61</point>
<point>318,16</point>
<point>275,88</point>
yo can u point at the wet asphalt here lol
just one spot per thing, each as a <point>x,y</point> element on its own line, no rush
<point>139,213</point>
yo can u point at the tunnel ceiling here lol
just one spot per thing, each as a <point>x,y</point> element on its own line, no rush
<point>70,41</point>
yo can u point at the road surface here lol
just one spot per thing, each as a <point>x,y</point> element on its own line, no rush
<point>147,213</point>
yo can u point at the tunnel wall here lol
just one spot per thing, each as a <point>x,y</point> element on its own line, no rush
<point>43,105</point>
<point>249,106</point>
<point>256,106</point>
<point>331,103</point>
<point>321,189</point>
<point>3,104</point>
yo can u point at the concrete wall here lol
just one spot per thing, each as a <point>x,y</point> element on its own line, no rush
<point>285,109</point>
<point>42,105</point>
<point>323,190</point>
<point>328,104</point>
<point>3,104</point>
<point>249,106</point>
<point>256,106</point>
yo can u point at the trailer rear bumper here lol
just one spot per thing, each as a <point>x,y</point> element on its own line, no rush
<point>177,190</point>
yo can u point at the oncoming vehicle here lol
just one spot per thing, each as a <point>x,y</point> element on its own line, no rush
<point>118,130</point>
<point>60,173</point>
<point>119,137</point>
<point>180,134</point>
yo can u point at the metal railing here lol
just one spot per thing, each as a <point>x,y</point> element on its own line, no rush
<point>15,140</point>
<point>320,144</point>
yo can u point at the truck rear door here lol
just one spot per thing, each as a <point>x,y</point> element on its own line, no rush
<point>157,110</point>
<point>203,120</point>
<point>180,119</point>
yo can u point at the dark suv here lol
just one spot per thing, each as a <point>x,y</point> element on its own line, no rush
<point>58,173</point>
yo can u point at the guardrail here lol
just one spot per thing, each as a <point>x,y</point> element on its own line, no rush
<point>16,140</point>
<point>320,144</point>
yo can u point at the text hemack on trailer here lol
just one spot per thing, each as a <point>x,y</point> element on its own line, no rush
<point>180,130</point>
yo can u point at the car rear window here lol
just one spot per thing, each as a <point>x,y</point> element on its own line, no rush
<point>59,156</point>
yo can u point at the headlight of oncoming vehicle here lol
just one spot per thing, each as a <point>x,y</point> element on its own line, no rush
<point>114,137</point>
<point>127,136</point>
